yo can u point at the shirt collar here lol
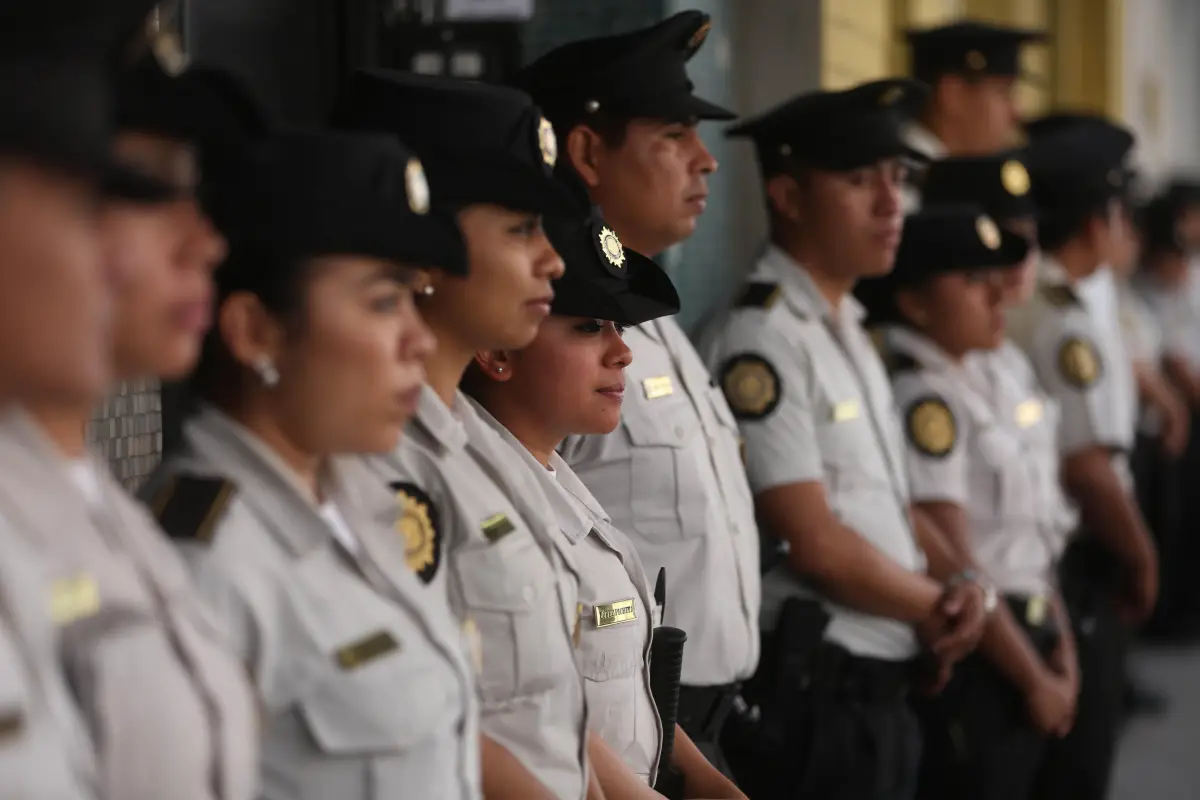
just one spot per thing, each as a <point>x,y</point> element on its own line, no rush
<point>924,141</point>
<point>443,423</point>
<point>801,292</point>
<point>920,347</point>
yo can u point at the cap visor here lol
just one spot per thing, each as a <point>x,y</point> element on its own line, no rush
<point>647,294</point>
<point>119,182</point>
<point>702,109</point>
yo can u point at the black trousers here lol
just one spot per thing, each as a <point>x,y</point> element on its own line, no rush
<point>841,730</point>
<point>979,741</point>
<point>1158,481</point>
<point>1079,767</point>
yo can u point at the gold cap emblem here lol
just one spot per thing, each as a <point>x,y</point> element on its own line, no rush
<point>891,96</point>
<point>1015,178</point>
<point>976,61</point>
<point>989,234</point>
<point>416,186</point>
<point>547,142</point>
<point>165,42</point>
<point>700,35</point>
<point>611,245</point>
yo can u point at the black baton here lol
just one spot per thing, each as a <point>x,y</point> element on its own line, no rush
<point>666,664</point>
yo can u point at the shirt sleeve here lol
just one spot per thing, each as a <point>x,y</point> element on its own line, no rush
<point>768,383</point>
<point>1069,366</point>
<point>936,440</point>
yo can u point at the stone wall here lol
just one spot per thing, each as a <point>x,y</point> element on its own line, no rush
<point>127,430</point>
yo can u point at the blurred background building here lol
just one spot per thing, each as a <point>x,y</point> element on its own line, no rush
<point>1138,61</point>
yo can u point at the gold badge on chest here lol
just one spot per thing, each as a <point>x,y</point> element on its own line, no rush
<point>661,386</point>
<point>418,524</point>
<point>74,598</point>
<point>1029,413</point>
<point>614,613</point>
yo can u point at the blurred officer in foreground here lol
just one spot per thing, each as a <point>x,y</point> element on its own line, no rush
<point>850,610</point>
<point>974,471</point>
<point>670,475</point>
<point>366,684</point>
<point>570,380</point>
<point>507,573</point>
<point>55,141</point>
<point>972,70</point>
<point>136,636</point>
<point>1109,574</point>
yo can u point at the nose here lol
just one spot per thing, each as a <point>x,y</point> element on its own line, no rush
<point>417,341</point>
<point>204,245</point>
<point>706,162</point>
<point>618,355</point>
<point>888,201</point>
<point>549,264</point>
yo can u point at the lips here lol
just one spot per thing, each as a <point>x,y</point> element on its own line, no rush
<point>614,392</point>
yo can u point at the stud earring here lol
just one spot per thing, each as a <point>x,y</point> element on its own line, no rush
<point>265,368</point>
<point>427,290</point>
<point>499,370</point>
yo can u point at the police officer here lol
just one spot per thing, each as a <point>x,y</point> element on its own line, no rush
<point>670,475</point>
<point>974,471</point>
<point>365,677</point>
<point>972,69</point>
<point>507,572</point>
<point>1111,566</point>
<point>570,380</point>
<point>825,458</point>
<point>54,139</point>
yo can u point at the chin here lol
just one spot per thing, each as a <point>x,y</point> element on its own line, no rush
<point>379,440</point>
<point>178,362</point>
<point>599,422</point>
<point>879,267</point>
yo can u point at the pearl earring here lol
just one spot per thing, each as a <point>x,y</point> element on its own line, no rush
<point>499,370</point>
<point>266,371</point>
<point>427,290</point>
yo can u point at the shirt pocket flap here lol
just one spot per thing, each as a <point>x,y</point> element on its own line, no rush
<point>658,423</point>
<point>512,575</point>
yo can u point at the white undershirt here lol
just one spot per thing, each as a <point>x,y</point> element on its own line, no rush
<point>82,473</point>
<point>341,530</point>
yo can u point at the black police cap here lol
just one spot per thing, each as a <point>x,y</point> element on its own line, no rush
<point>479,143</point>
<point>1184,193</point>
<point>1077,161</point>
<point>969,48</point>
<point>54,85</point>
<point>630,75</point>
<point>603,279</point>
<point>837,131</point>
<point>937,241</point>
<point>999,183</point>
<point>303,194</point>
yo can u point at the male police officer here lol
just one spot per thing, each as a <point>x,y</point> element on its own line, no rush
<point>825,458</point>
<point>972,68</point>
<point>670,476</point>
<point>1078,178</point>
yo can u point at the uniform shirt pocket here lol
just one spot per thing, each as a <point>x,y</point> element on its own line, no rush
<point>1000,456</point>
<point>845,447</point>
<point>510,591</point>
<point>666,493</point>
<point>612,660</point>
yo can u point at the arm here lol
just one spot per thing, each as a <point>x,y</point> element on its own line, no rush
<point>1182,376</point>
<point>505,778</point>
<point>617,780</point>
<point>1156,392</point>
<point>701,779</point>
<point>851,570</point>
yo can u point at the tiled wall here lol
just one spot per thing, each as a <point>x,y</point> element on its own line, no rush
<point>127,429</point>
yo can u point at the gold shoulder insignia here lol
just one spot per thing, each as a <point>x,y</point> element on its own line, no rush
<point>419,525</point>
<point>751,386</point>
<point>189,506</point>
<point>931,426</point>
<point>759,295</point>
<point>1060,296</point>
<point>1079,362</point>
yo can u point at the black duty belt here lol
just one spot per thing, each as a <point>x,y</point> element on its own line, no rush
<point>704,709</point>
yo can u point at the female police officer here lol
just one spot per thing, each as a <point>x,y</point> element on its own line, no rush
<point>509,576</point>
<point>570,381</point>
<point>363,674</point>
<point>972,470</point>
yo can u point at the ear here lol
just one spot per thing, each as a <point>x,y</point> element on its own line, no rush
<point>497,365</point>
<point>784,195</point>
<point>248,330</point>
<point>910,306</point>
<point>585,151</point>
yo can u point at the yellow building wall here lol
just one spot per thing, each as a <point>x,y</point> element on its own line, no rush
<point>856,37</point>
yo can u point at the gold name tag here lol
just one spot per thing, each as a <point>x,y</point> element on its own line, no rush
<point>1035,611</point>
<point>615,613</point>
<point>496,527</point>
<point>1029,413</point>
<point>655,388</point>
<point>73,599</point>
<point>353,656</point>
<point>845,411</point>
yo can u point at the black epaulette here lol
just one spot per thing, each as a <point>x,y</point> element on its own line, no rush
<point>189,507</point>
<point>899,362</point>
<point>1060,296</point>
<point>759,295</point>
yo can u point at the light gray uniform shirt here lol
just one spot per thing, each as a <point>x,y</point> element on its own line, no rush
<point>167,703</point>
<point>672,479</point>
<point>506,574</point>
<point>815,404</point>
<point>616,615</point>
<point>364,676</point>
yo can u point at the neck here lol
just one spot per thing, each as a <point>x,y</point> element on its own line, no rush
<point>1077,260</point>
<point>445,366</point>
<point>263,422</point>
<point>65,424</point>
<point>832,287</point>
<point>952,139</point>
<point>632,236</point>
<point>524,422</point>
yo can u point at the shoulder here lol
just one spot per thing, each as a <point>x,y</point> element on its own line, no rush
<point>933,418</point>
<point>191,507</point>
